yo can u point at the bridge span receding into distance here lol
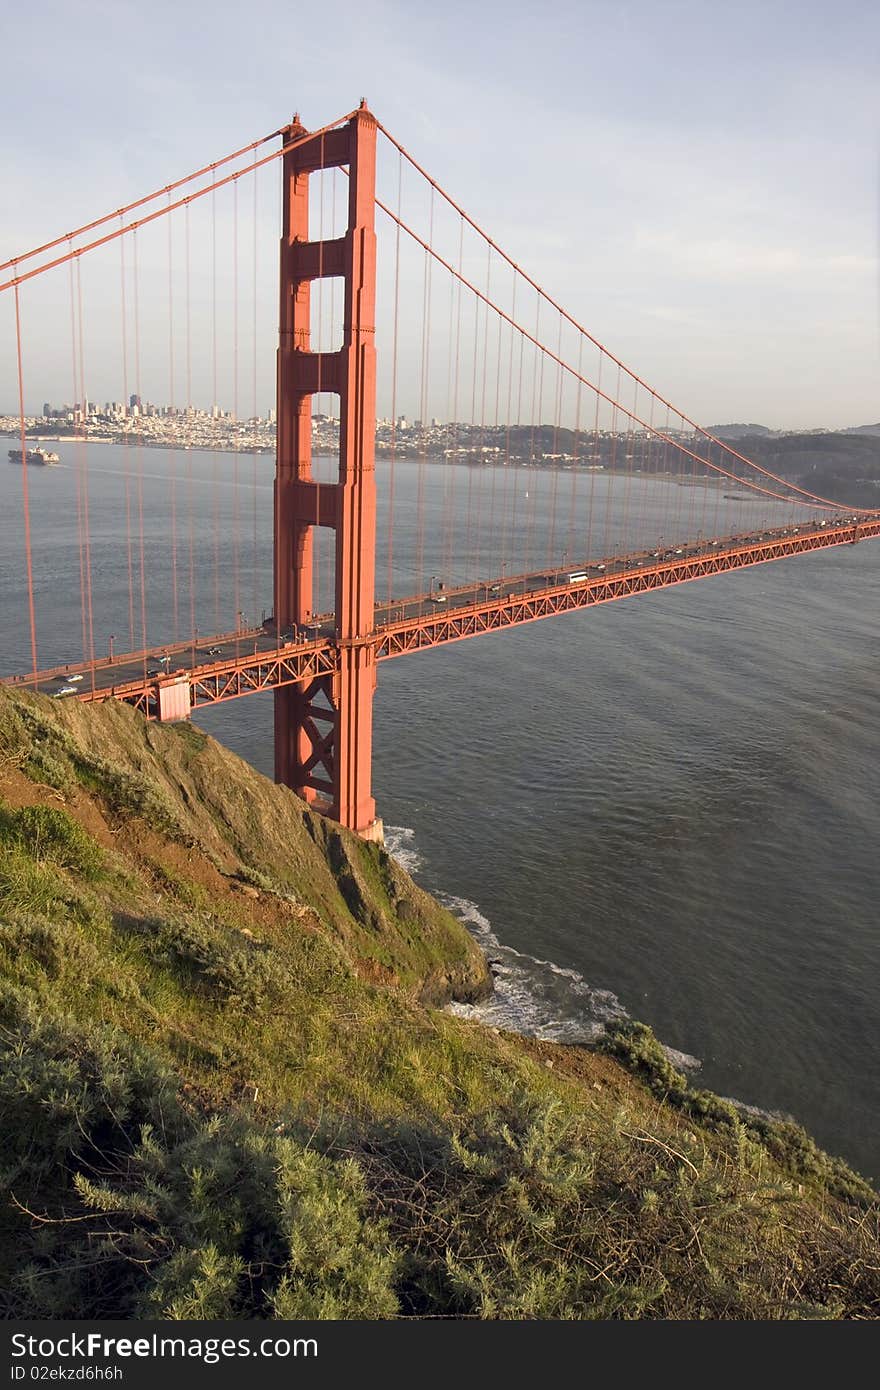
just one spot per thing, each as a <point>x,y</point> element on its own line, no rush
<point>167,682</point>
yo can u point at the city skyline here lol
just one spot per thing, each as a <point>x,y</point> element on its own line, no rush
<point>78,413</point>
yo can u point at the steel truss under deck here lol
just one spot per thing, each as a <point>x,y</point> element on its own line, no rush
<point>313,665</point>
<point>437,628</point>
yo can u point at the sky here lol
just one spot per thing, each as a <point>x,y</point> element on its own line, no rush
<point>696,183</point>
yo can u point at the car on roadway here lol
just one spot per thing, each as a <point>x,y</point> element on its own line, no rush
<point>65,690</point>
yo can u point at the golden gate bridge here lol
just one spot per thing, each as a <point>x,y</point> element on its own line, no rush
<point>529,394</point>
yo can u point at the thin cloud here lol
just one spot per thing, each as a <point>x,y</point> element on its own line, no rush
<point>727,259</point>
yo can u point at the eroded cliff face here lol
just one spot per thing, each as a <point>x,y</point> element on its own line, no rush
<point>169,794</point>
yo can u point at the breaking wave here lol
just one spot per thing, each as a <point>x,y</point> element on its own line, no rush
<point>531,996</point>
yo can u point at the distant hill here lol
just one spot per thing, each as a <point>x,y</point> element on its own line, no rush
<point>742,431</point>
<point>737,431</point>
<point>843,464</point>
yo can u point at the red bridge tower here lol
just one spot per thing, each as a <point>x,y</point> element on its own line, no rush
<point>323,728</point>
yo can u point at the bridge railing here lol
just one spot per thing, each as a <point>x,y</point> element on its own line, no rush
<point>143,655</point>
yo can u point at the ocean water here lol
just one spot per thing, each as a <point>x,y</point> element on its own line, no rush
<point>665,808</point>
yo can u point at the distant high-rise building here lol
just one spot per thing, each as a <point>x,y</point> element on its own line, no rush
<point>134,401</point>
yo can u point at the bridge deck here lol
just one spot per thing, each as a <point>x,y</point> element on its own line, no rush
<point>247,662</point>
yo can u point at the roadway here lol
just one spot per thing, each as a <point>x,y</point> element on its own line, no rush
<point>211,657</point>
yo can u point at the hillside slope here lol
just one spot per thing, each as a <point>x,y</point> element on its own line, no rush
<point>227,1090</point>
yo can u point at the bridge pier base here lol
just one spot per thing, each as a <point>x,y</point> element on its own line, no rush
<point>175,700</point>
<point>374,833</point>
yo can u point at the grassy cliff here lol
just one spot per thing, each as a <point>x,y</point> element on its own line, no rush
<point>227,1090</point>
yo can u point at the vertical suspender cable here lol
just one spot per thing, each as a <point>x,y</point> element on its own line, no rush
<point>88,545</point>
<point>626,542</point>
<point>173,452</point>
<point>236,527</point>
<point>576,464</point>
<point>537,467</point>
<point>647,475</point>
<point>79,518</point>
<point>612,469</point>
<point>450,534</point>
<point>189,466</point>
<point>478,526</point>
<point>518,464</point>
<point>255,597</point>
<point>128,480</point>
<point>423,397</point>
<point>718,493</point>
<point>496,527</point>
<point>139,447</point>
<point>215,500</point>
<point>24,487</point>
<point>445,522</point>
<point>395,339</point>
<point>554,487</point>
<point>595,461</point>
<point>509,473</point>
<point>534,440</point>
<point>472,462</point>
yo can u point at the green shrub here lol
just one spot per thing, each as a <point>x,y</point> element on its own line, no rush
<point>69,1088</point>
<point>634,1045</point>
<point>49,833</point>
<point>43,766</point>
<point>128,793</point>
<point>33,938</point>
<point>30,738</point>
<point>217,960</point>
<point>257,879</point>
<point>260,1226</point>
<point>158,1212</point>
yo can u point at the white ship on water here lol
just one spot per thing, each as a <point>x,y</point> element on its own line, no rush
<point>37,455</point>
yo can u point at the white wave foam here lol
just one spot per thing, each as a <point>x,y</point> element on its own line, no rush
<point>399,844</point>
<point>532,996</point>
